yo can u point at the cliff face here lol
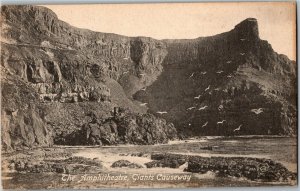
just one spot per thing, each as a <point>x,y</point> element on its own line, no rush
<point>226,77</point>
<point>71,72</point>
<point>21,118</point>
<point>98,55</point>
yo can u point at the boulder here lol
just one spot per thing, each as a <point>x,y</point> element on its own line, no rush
<point>125,163</point>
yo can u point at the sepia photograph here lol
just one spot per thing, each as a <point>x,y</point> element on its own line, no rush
<point>149,95</point>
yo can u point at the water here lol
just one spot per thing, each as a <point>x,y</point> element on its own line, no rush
<point>279,149</point>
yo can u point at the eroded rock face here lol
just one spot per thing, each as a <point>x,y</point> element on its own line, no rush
<point>75,53</point>
<point>22,123</point>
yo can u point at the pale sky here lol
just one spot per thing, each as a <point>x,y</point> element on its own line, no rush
<point>277,21</point>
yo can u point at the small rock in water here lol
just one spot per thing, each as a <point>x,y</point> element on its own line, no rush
<point>210,148</point>
<point>125,163</point>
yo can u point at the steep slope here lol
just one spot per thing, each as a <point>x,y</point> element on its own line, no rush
<point>71,71</point>
<point>227,75</point>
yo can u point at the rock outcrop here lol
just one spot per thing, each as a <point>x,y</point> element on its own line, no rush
<point>22,123</point>
<point>250,168</point>
<point>123,128</point>
<point>61,73</point>
<point>69,165</point>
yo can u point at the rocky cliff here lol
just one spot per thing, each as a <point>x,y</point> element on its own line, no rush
<point>69,72</point>
<point>53,75</point>
<point>229,84</point>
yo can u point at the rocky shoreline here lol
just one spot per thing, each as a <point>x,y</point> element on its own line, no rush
<point>50,160</point>
<point>61,162</point>
<point>250,168</point>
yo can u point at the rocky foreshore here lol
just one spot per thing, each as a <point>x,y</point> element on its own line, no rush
<point>57,161</point>
<point>250,168</point>
<point>49,161</point>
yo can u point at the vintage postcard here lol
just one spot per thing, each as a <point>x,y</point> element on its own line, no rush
<point>161,95</point>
